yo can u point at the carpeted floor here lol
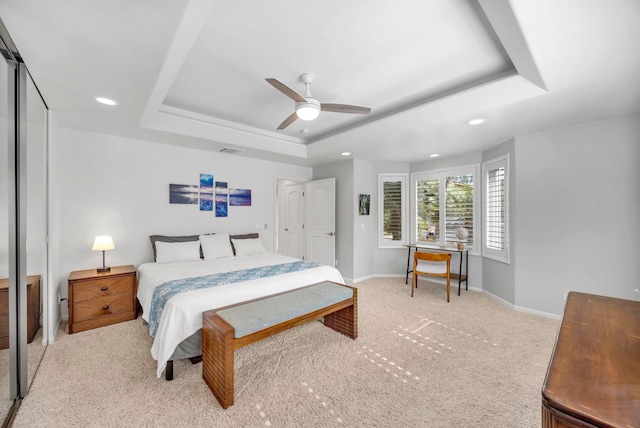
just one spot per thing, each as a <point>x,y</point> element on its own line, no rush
<point>418,362</point>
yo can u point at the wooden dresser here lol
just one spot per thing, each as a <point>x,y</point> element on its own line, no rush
<point>593,379</point>
<point>97,298</point>
<point>33,309</point>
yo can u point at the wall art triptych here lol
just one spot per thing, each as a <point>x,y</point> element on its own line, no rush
<point>210,193</point>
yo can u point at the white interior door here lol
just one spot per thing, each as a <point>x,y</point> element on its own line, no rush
<point>320,221</point>
<point>293,231</point>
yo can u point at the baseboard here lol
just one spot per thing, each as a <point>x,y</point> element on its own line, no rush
<point>363,278</point>
<point>52,337</point>
<point>382,275</point>
<point>522,308</point>
<point>538,313</point>
<point>499,299</point>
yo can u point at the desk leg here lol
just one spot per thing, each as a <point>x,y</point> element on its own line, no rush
<point>406,278</point>
<point>460,273</point>
<point>466,273</point>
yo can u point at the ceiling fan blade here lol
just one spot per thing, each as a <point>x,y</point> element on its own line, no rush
<point>285,90</point>
<point>344,108</point>
<point>288,121</point>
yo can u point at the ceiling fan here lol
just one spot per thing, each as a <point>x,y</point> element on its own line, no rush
<point>307,107</point>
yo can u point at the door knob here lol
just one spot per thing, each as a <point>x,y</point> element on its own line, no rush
<point>331,234</point>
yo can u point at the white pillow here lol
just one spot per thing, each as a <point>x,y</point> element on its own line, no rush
<point>170,252</point>
<point>247,247</point>
<point>216,246</point>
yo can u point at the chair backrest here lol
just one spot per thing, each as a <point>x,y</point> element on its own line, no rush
<point>432,263</point>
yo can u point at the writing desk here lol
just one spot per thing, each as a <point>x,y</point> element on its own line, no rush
<point>464,253</point>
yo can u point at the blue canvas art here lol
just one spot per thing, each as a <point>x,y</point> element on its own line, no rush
<point>222,195</point>
<point>206,192</point>
<point>183,194</point>
<point>240,197</point>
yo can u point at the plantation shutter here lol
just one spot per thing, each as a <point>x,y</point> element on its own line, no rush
<point>496,209</point>
<point>392,210</point>
<point>428,210</point>
<point>459,207</point>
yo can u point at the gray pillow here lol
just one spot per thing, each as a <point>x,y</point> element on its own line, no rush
<point>245,236</point>
<point>164,238</point>
<point>186,238</point>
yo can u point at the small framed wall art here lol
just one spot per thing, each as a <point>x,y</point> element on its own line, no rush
<point>365,203</point>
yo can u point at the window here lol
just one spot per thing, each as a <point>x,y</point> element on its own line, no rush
<point>496,228</point>
<point>392,208</point>
<point>445,201</point>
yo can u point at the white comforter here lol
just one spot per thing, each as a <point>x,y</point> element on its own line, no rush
<point>182,315</point>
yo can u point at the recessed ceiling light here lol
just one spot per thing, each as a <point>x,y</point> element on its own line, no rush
<point>476,121</point>
<point>106,101</point>
<point>346,153</point>
<point>434,155</point>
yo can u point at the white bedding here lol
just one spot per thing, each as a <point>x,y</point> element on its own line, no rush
<point>182,315</point>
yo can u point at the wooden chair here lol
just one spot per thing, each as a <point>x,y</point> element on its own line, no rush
<point>431,264</point>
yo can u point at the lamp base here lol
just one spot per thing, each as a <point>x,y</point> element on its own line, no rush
<point>104,269</point>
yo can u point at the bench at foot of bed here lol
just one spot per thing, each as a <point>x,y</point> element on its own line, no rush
<point>225,330</point>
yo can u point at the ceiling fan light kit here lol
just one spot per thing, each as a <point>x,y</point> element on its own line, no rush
<point>307,107</point>
<point>308,110</point>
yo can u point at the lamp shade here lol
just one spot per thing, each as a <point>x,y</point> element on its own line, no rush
<point>103,243</point>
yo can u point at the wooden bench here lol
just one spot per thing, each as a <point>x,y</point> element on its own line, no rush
<point>225,330</point>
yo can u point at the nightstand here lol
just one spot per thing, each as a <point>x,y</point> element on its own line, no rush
<point>33,309</point>
<point>97,298</point>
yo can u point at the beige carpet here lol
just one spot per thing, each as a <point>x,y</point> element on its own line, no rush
<point>418,362</point>
<point>35,351</point>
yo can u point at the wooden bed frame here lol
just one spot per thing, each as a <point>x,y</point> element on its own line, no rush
<point>219,343</point>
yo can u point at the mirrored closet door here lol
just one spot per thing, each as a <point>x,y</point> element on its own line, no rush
<point>5,395</point>
<point>23,227</point>
<point>36,230</point>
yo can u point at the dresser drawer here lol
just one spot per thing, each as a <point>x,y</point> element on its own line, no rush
<point>103,306</point>
<point>4,301</point>
<point>103,287</point>
<point>4,325</point>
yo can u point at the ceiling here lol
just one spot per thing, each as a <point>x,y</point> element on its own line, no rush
<point>192,72</point>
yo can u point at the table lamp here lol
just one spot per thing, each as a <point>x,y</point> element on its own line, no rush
<point>461,234</point>
<point>103,243</point>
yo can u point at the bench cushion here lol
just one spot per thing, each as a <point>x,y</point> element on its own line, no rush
<point>264,313</point>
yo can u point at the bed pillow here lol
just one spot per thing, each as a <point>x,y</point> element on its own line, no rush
<point>170,252</point>
<point>164,238</point>
<point>245,236</point>
<point>248,247</point>
<point>216,246</point>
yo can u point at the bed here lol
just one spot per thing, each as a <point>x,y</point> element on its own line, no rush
<point>194,274</point>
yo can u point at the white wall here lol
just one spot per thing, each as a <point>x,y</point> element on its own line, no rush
<point>577,206</point>
<point>343,173</point>
<point>499,278</point>
<point>389,261</point>
<point>120,187</point>
<point>364,226</point>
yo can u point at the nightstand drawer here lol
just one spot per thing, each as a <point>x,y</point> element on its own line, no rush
<point>103,287</point>
<point>102,307</point>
